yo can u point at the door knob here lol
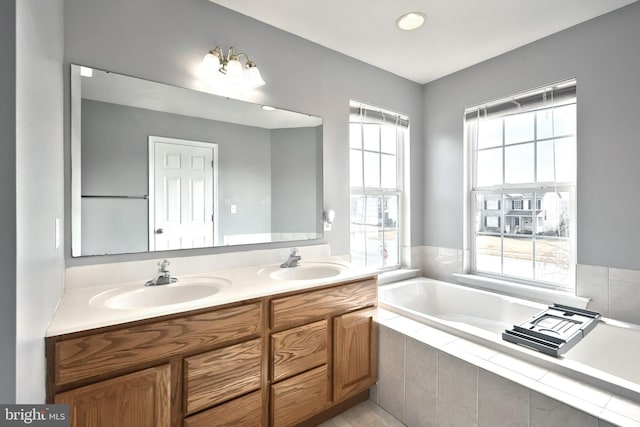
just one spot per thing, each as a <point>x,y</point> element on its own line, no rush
<point>159,231</point>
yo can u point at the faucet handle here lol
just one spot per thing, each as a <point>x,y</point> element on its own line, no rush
<point>294,252</point>
<point>164,264</point>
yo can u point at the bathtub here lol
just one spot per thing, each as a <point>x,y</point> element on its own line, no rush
<point>608,357</point>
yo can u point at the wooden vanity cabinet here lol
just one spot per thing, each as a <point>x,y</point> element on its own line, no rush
<point>160,372</point>
<point>323,351</point>
<point>292,359</point>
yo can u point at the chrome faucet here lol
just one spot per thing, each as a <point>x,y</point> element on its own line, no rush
<point>293,260</point>
<point>164,276</point>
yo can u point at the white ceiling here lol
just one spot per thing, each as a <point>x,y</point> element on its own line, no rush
<point>456,34</point>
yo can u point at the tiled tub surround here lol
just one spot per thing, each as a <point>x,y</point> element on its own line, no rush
<point>428,377</point>
<point>608,369</point>
<point>614,292</point>
<point>606,358</point>
<point>440,263</point>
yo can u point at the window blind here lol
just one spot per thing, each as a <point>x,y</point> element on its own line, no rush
<point>557,94</point>
<point>365,114</point>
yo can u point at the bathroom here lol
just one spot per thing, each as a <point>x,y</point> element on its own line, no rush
<point>41,39</point>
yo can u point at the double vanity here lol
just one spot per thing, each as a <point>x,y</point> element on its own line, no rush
<point>255,346</point>
<point>157,167</point>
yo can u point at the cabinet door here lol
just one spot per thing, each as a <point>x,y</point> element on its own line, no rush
<point>140,399</point>
<point>354,353</point>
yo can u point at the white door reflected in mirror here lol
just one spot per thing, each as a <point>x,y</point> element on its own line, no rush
<point>182,191</point>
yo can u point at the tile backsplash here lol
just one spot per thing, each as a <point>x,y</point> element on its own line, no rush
<point>614,292</point>
<point>439,263</point>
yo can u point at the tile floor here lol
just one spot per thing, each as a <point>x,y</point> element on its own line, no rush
<point>366,414</point>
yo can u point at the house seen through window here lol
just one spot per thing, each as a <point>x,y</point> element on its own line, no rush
<point>376,138</point>
<point>523,179</point>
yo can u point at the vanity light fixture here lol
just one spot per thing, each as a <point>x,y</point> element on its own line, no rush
<point>218,67</point>
<point>411,21</point>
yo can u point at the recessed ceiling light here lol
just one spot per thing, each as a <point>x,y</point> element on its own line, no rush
<point>267,108</point>
<point>411,21</point>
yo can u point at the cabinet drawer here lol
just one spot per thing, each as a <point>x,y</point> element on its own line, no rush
<point>300,397</point>
<point>93,355</point>
<point>299,349</point>
<point>245,411</point>
<point>222,374</point>
<point>309,306</point>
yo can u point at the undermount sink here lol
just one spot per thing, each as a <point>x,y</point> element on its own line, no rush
<point>305,271</point>
<point>184,290</point>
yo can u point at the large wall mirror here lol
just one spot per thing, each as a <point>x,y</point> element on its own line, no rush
<point>158,167</point>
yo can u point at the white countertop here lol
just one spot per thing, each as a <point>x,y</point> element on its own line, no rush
<point>76,311</point>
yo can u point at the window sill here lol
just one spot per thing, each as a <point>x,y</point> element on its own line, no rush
<point>546,296</point>
<point>392,276</point>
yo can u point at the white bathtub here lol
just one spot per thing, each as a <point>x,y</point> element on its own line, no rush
<point>608,357</point>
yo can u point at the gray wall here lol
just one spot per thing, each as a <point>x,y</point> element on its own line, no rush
<point>603,55</point>
<point>168,44</point>
<point>8,206</point>
<point>39,186</point>
<point>296,170</point>
<point>115,162</point>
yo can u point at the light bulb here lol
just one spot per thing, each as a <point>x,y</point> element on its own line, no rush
<point>234,68</point>
<point>253,77</point>
<point>211,64</point>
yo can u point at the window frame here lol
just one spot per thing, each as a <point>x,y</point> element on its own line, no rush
<point>402,136</point>
<point>472,191</point>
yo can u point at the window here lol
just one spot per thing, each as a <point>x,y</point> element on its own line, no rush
<point>492,204</point>
<point>492,221</point>
<point>376,139</point>
<point>523,155</point>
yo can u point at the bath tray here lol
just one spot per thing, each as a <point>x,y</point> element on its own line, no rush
<point>554,331</point>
